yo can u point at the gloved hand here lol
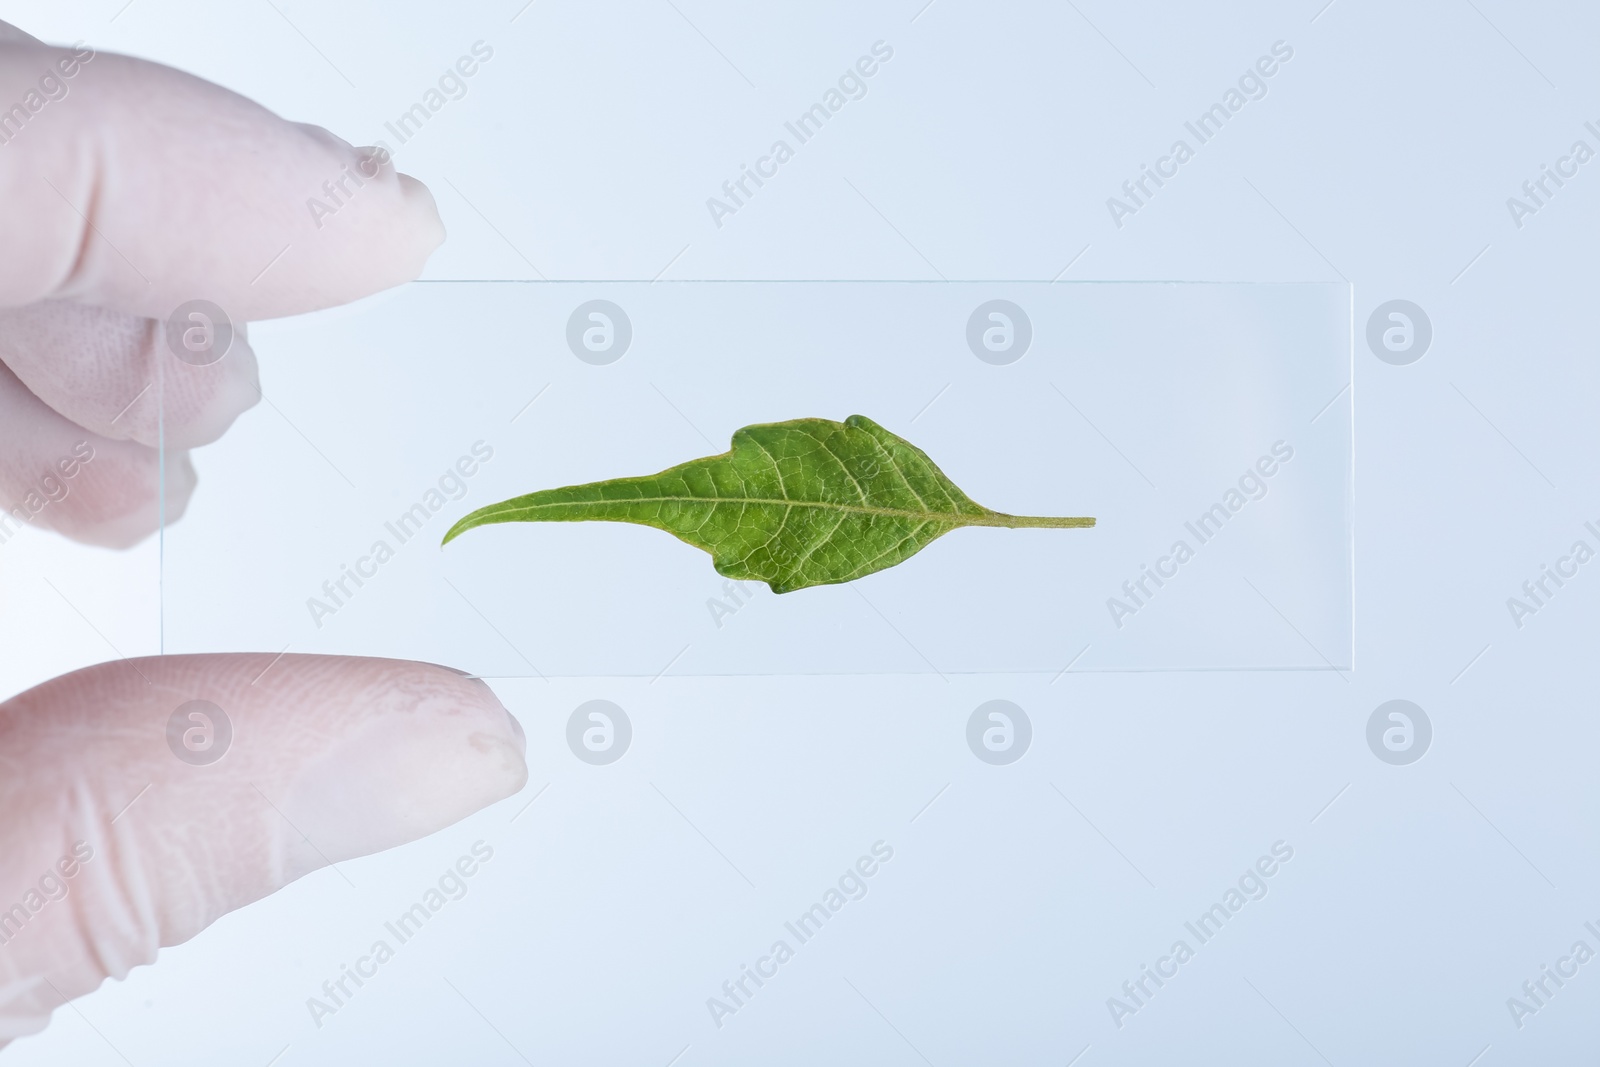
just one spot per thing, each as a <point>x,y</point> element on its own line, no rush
<point>129,191</point>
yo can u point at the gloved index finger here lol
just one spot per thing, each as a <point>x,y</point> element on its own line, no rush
<point>137,187</point>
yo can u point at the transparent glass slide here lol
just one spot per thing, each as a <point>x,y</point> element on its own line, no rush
<point>1206,426</point>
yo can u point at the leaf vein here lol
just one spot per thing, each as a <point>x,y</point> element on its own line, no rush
<point>896,467</point>
<point>860,490</point>
<point>867,567</point>
<point>824,539</point>
<point>953,517</point>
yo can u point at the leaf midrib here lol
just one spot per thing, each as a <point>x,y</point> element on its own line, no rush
<point>955,518</point>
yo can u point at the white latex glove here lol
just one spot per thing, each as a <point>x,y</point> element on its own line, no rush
<point>126,190</point>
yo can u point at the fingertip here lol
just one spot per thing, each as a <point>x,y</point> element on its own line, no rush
<point>208,782</point>
<point>123,495</point>
<point>98,369</point>
<point>424,212</point>
<point>440,747</point>
<point>305,221</point>
<point>405,217</point>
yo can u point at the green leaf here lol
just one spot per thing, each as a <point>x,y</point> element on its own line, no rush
<point>793,504</point>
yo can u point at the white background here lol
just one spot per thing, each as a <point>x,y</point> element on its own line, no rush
<point>1418,900</point>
